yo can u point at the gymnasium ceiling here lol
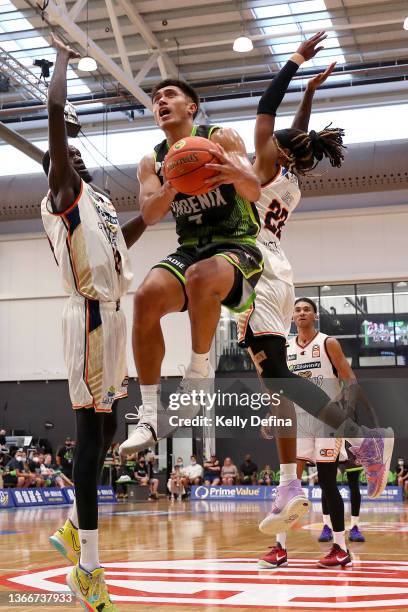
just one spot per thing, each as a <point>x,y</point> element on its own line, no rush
<point>135,43</point>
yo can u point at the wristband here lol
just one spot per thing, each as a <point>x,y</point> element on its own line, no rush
<point>298,59</point>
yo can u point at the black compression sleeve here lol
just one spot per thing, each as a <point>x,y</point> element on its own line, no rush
<point>273,96</point>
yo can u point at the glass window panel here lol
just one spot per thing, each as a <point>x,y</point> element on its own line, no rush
<point>375,319</point>
<point>308,6</point>
<point>401,321</point>
<point>263,12</point>
<point>338,318</point>
<point>229,357</point>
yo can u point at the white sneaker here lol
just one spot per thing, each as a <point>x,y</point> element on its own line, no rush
<point>197,387</point>
<point>124,478</point>
<point>145,432</point>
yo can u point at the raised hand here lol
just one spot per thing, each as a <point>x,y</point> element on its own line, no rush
<point>309,48</point>
<point>60,46</point>
<point>320,78</point>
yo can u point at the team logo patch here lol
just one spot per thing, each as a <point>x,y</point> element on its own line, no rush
<point>327,452</point>
<point>306,374</point>
<point>291,357</point>
<point>179,145</point>
<point>316,351</point>
<point>239,583</point>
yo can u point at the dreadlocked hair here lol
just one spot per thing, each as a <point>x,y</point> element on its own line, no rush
<point>306,150</point>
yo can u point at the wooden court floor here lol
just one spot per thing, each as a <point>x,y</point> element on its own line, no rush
<point>201,557</point>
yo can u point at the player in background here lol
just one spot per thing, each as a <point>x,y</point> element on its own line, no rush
<point>280,157</point>
<point>320,359</point>
<point>216,263</point>
<point>91,251</point>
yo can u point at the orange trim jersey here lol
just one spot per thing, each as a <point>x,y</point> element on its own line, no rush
<point>278,200</point>
<point>89,246</point>
<point>312,361</point>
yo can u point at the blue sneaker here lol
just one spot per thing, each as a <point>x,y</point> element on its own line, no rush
<point>326,535</point>
<point>355,535</point>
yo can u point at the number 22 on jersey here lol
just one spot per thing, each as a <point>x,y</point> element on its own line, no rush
<point>275,218</point>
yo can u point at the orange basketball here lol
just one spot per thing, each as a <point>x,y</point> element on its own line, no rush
<point>184,165</point>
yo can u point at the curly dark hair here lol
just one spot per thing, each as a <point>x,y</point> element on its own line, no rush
<point>306,150</point>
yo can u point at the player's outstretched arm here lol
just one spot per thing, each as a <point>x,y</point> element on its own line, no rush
<point>234,166</point>
<point>266,151</point>
<point>155,199</point>
<point>302,117</point>
<point>132,230</point>
<point>62,177</point>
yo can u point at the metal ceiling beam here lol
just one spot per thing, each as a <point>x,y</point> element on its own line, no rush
<point>118,38</point>
<point>62,18</point>
<point>76,9</point>
<point>147,66</point>
<point>20,143</point>
<point>150,38</point>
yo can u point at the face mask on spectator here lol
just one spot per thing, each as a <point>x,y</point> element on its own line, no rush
<point>36,459</point>
<point>400,462</point>
<point>193,462</point>
<point>23,458</point>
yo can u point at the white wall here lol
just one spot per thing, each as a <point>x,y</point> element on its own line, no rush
<point>351,245</point>
<point>31,301</point>
<point>362,245</point>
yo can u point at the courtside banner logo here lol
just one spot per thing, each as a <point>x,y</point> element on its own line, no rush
<point>53,496</point>
<point>251,492</point>
<point>6,500</point>
<point>238,583</point>
<point>69,493</point>
<point>229,492</point>
<point>106,495</point>
<point>27,497</point>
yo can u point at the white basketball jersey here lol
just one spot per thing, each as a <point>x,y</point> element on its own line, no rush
<point>278,200</point>
<point>89,246</point>
<point>313,362</point>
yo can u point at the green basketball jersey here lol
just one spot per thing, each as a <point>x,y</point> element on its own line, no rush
<point>219,215</point>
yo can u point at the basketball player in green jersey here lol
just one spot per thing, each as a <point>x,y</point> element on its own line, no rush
<point>217,262</point>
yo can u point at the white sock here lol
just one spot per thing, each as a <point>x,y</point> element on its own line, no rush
<point>200,363</point>
<point>327,520</point>
<point>287,473</point>
<point>354,521</point>
<point>150,399</point>
<point>89,549</point>
<point>339,538</point>
<point>73,515</point>
<point>281,539</point>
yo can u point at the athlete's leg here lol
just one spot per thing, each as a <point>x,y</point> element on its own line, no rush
<point>159,294</point>
<point>327,532</point>
<point>327,473</point>
<point>109,428</point>
<point>87,461</point>
<point>208,283</point>
<point>353,478</point>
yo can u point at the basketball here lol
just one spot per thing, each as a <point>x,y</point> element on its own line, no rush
<point>184,165</point>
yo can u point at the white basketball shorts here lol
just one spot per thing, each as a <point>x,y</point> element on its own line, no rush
<point>311,444</point>
<point>94,337</point>
<point>271,313</point>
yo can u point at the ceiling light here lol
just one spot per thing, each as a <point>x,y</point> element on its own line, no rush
<point>326,288</point>
<point>406,23</point>
<point>87,64</point>
<point>242,44</point>
<point>402,283</point>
